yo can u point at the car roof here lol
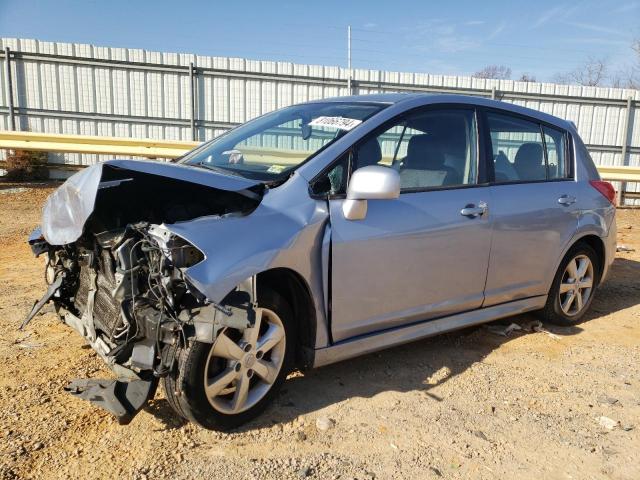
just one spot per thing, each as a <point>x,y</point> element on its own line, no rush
<point>388,98</point>
<point>413,99</point>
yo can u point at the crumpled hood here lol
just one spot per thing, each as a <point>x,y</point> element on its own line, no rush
<point>68,208</point>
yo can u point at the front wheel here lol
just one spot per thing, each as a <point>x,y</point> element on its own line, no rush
<point>228,383</point>
<point>573,287</point>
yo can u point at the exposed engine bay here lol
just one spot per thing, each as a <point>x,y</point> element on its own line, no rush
<point>121,283</point>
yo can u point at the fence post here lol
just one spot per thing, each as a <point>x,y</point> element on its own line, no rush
<point>626,139</point>
<point>9,88</point>
<point>192,82</point>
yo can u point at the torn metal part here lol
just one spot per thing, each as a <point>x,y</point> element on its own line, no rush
<point>181,253</point>
<point>237,312</point>
<point>37,242</point>
<point>124,399</point>
<point>51,291</point>
<point>208,321</point>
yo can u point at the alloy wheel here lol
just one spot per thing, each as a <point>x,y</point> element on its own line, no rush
<point>576,285</point>
<point>242,367</point>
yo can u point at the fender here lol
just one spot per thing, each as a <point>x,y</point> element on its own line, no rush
<point>239,247</point>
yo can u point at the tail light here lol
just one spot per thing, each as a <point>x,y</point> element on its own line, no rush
<point>606,189</point>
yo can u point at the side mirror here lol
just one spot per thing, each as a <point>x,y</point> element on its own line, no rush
<point>374,182</point>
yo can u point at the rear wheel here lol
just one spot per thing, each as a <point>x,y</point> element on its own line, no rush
<point>224,385</point>
<point>573,286</point>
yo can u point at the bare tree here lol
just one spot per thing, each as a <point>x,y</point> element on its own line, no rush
<point>631,77</point>
<point>627,78</point>
<point>527,77</point>
<point>593,73</point>
<point>499,72</point>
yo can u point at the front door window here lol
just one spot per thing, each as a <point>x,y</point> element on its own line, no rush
<point>430,149</point>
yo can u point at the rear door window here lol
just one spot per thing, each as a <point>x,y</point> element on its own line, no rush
<point>526,151</point>
<point>518,149</point>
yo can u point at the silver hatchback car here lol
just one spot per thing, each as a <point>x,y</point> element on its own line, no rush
<point>317,233</point>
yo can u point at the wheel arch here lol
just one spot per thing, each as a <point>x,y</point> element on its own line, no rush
<point>592,239</point>
<point>595,242</point>
<point>293,287</point>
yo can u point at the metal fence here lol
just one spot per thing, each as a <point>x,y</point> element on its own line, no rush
<point>88,90</point>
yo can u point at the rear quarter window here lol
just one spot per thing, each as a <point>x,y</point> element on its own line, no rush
<point>556,145</point>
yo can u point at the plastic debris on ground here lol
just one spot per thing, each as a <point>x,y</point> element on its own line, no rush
<point>503,330</point>
<point>533,326</point>
<point>6,191</point>
<point>607,423</point>
<point>537,326</point>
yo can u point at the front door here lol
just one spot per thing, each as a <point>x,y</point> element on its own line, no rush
<point>425,254</point>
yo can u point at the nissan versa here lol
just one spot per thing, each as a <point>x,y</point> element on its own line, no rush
<point>317,233</point>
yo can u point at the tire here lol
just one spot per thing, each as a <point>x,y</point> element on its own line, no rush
<point>239,362</point>
<point>560,308</point>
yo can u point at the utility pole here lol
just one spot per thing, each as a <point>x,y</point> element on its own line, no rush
<point>9,88</point>
<point>349,59</point>
<point>192,86</point>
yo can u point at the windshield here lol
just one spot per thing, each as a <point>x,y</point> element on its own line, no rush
<point>272,146</point>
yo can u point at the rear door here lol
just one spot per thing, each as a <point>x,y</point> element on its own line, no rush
<point>533,205</point>
<point>425,254</point>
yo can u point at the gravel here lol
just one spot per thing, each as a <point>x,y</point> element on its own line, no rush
<point>470,404</point>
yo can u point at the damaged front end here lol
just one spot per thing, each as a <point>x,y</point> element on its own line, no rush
<point>116,272</point>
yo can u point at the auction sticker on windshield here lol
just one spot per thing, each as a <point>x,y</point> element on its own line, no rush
<point>276,168</point>
<point>336,122</point>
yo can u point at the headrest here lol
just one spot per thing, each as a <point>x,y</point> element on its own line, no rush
<point>529,162</point>
<point>424,153</point>
<point>530,154</point>
<point>369,153</point>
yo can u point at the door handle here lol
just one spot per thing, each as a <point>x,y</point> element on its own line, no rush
<point>473,211</point>
<point>566,200</point>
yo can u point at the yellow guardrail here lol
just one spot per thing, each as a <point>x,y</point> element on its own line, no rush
<point>52,142</point>
<point>620,173</point>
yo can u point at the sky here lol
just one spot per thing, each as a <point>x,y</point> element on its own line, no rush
<point>541,38</point>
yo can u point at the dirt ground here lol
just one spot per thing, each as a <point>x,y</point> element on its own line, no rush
<point>471,404</point>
